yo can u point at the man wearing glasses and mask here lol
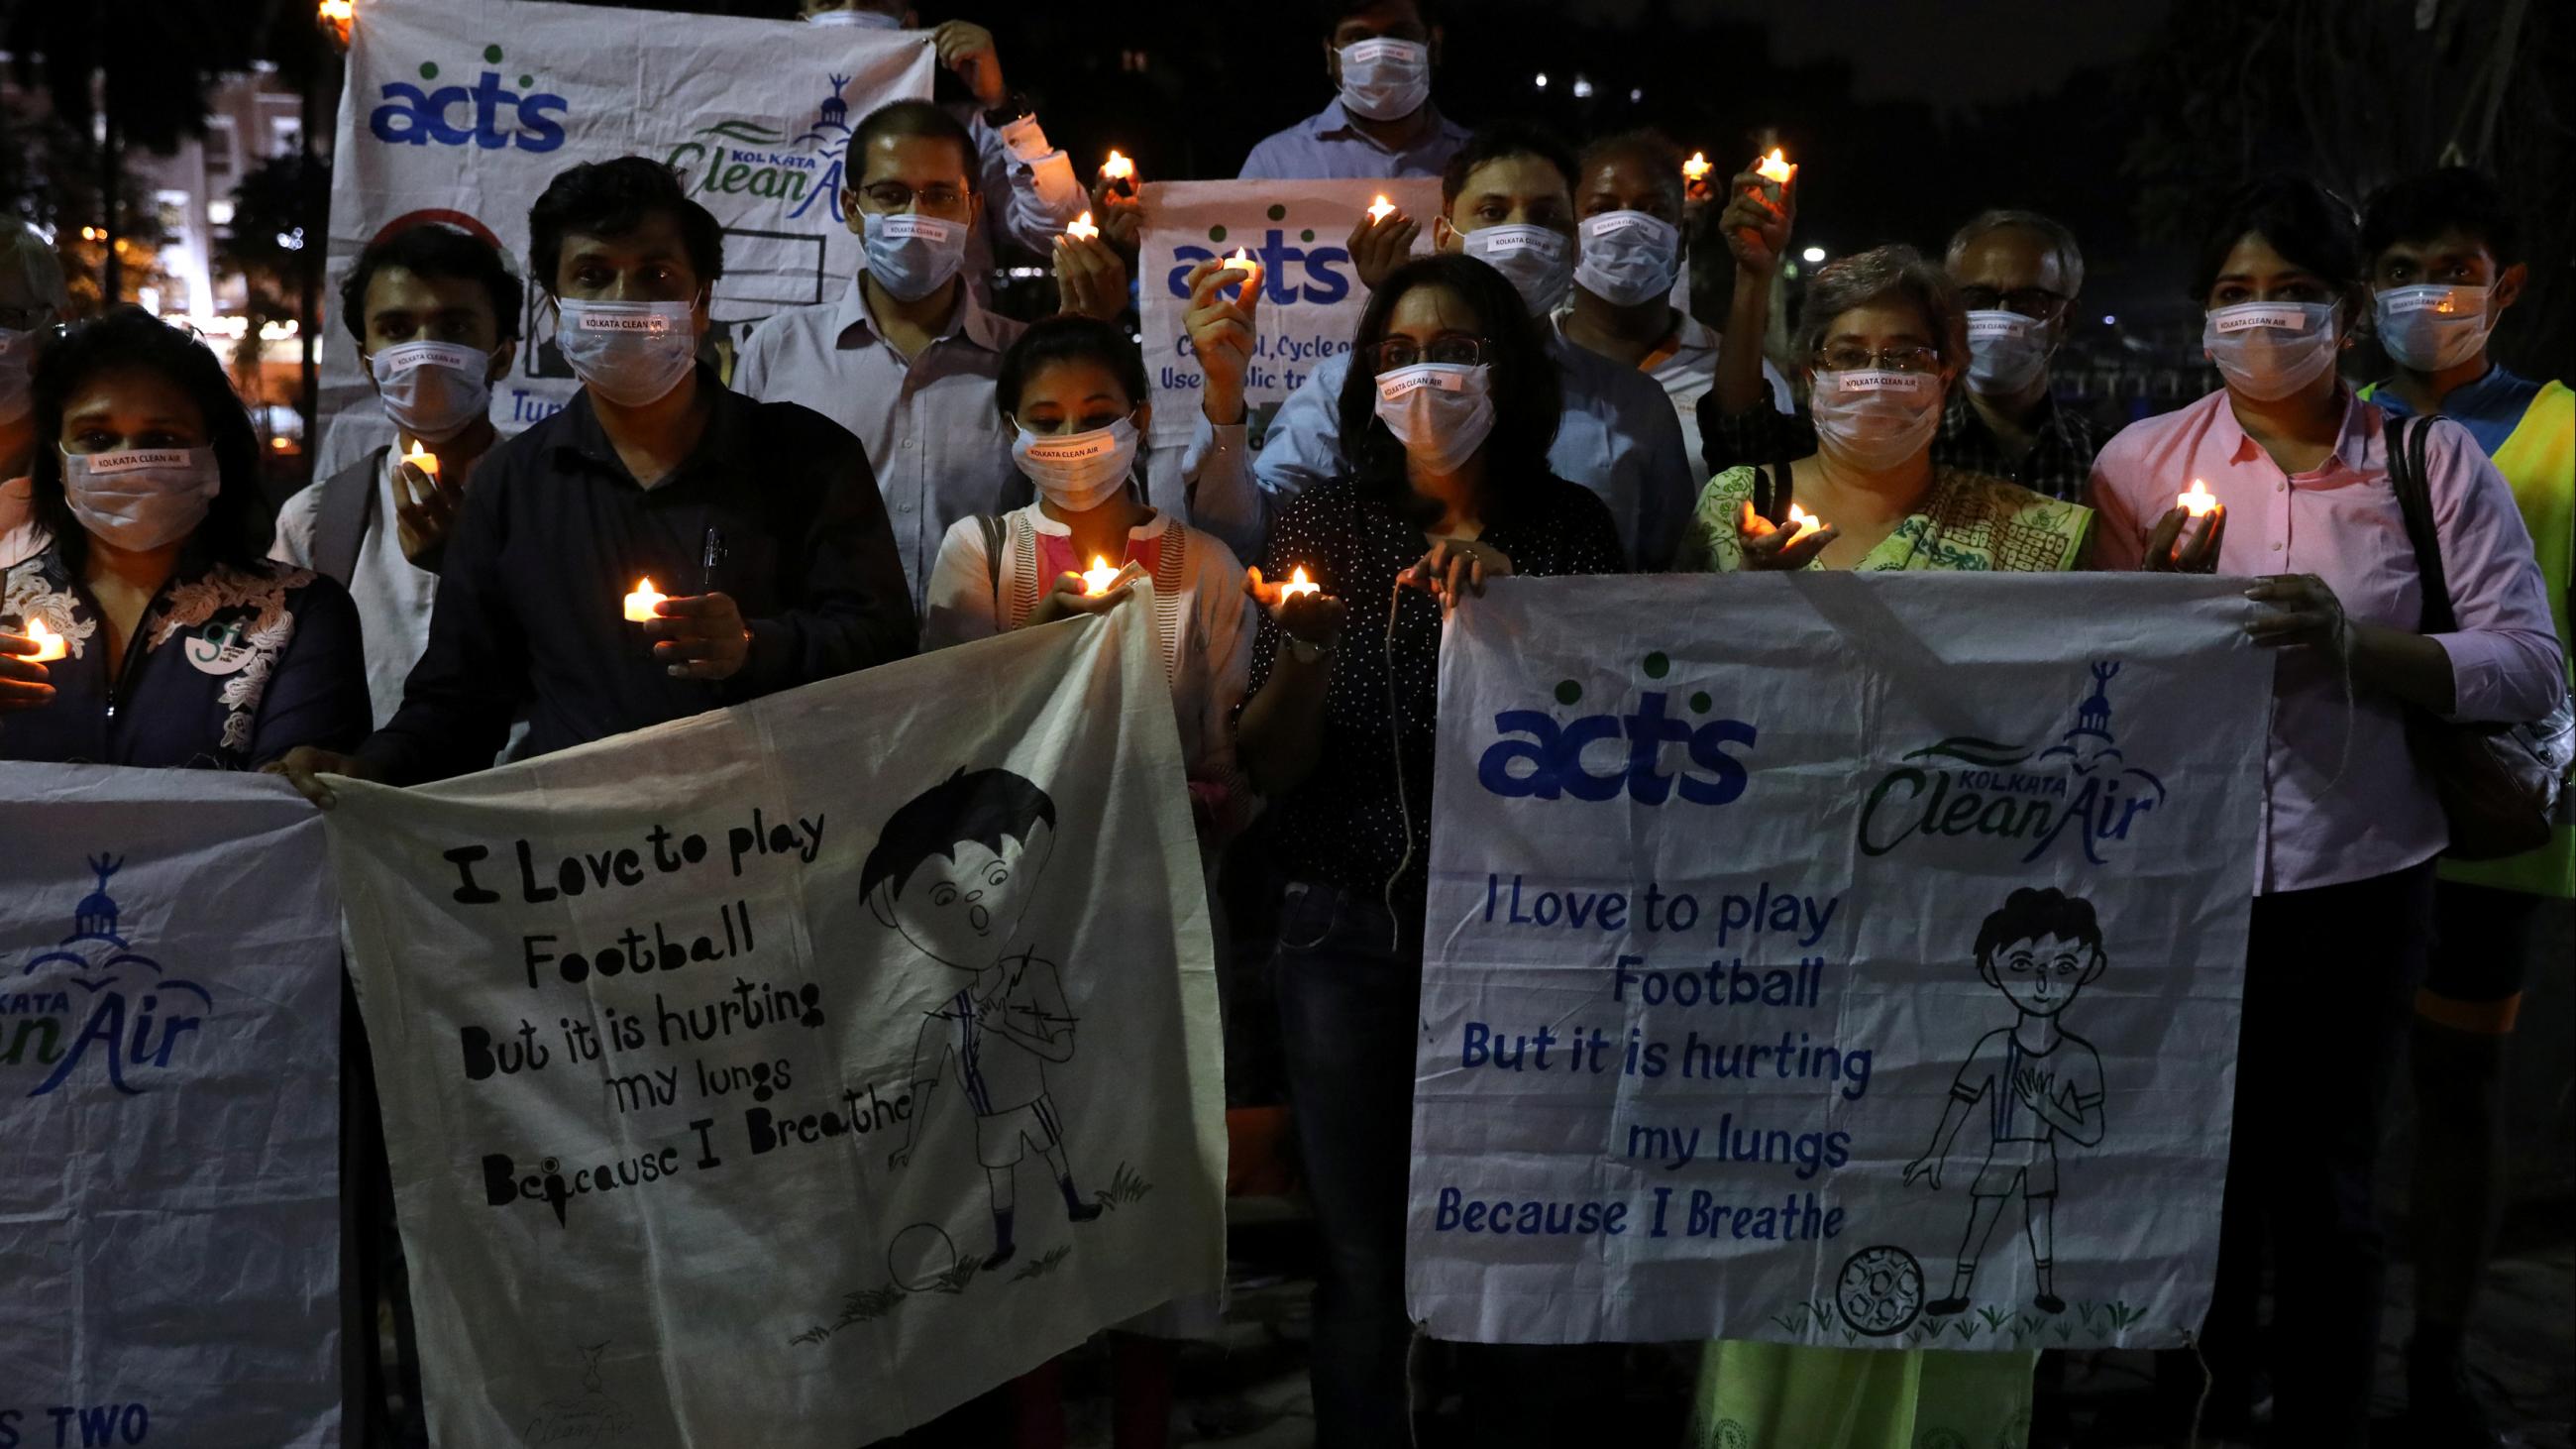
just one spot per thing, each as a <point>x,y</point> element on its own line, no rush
<point>2018,274</point>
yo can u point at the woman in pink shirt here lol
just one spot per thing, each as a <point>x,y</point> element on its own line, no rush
<point>2350,826</point>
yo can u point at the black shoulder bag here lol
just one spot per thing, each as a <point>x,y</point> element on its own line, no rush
<point>2499,785</point>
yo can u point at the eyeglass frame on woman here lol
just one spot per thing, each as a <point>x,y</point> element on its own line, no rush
<point>1478,351</point>
<point>1848,358</point>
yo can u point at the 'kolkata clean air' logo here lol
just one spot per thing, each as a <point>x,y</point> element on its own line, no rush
<point>96,1000</point>
<point>738,157</point>
<point>1601,756</point>
<point>485,113</point>
<point>1970,786</point>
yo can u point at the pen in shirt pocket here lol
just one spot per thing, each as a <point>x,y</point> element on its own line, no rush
<point>711,559</point>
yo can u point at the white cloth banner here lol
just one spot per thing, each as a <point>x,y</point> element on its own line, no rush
<point>1835,959</point>
<point>169,1061</point>
<point>792,1073</point>
<point>1310,299</point>
<point>462,110</point>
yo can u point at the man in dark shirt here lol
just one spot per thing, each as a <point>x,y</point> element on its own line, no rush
<point>760,521</point>
<point>2018,273</point>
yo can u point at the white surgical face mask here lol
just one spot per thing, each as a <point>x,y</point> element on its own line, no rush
<point>1385,80</point>
<point>17,354</point>
<point>1077,472</point>
<point>1871,420</point>
<point>139,499</point>
<point>1629,257</point>
<point>1440,411</point>
<point>433,390</point>
<point>1538,262</point>
<point>2006,352</point>
<point>2429,328</point>
<point>912,256</point>
<point>2269,350</point>
<point>630,353</point>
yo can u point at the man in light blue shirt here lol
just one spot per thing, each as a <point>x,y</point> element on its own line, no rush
<point>1379,54</point>
<point>1508,199</point>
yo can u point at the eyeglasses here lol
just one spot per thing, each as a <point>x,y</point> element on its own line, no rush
<point>1849,358</point>
<point>2036,302</point>
<point>1457,351</point>
<point>937,199</point>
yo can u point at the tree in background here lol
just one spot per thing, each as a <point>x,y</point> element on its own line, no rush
<point>268,245</point>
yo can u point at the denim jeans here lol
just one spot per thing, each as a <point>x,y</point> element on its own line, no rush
<point>1350,996</point>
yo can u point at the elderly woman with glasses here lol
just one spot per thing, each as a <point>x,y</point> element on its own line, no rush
<point>1885,339</point>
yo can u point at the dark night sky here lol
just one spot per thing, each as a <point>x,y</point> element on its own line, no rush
<point>1956,51</point>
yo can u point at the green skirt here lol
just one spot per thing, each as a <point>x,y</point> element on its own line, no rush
<point>1785,1396</point>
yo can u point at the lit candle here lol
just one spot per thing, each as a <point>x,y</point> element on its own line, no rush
<point>1696,169</point>
<point>49,645</point>
<point>1775,167</point>
<point>1297,584</point>
<point>1118,168</point>
<point>1802,523</point>
<point>1380,210</point>
<point>1082,229</point>
<point>1242,261</point>
<point>2197,501</point>
<point>423,459</point>
<point>639,604</point>
<point>1097,578</point>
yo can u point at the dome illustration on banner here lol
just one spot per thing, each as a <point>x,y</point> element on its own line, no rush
<point>132,1015</point>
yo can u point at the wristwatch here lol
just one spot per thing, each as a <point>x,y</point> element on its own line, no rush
<point>1013,106</point>
<point>1306,651</point>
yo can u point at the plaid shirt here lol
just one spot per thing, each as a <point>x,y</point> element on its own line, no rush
<point>2058,463</point>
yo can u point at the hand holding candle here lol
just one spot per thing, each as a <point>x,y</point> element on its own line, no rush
<point>1695,184</point>
<point>1802,523</point>
<point>2196,500</point>
<point>1100,577</point>
<point>1298,585</point>
<point>1776,168</point>
<point>1082,229</point>
<point>1118,175</point>
<point>2186,540</point>
<point>1793,544</point>
<point>1381,209</point>
<point>1242,261</point>
<point>697,636</point>
<point>1299,605</point>
<point>49,645</point>
<point>23,682</point>
<point>422,458</point>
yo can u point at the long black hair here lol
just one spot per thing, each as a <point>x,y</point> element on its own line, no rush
<point>2308,225</point>
<point>131,338</point>
<point>1529,399</point>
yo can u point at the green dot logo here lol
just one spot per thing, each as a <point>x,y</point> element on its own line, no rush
<point>1657,666</point>
<point>1568,692</point>
<point>1278,213</point>
<point>429,70</point>
<point>492,54</point>
<point>527,81</point>
<point>1216,233</point>
<point>1306,235</point>
<point>1701,703</point>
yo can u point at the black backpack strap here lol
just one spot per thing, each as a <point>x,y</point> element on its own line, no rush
<point>993,541</point>
<point>340,519</point>
<point>2407,475</point>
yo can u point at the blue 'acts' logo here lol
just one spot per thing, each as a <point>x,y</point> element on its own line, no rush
<point>1541,757</point>
<point>1323,268</point>
<point>486,114</point>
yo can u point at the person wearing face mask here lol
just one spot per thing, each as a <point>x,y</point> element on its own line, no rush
<point>435,312</point>
<point>1379,55</point>
<point>182,647</point>
<point>2445,263</point>
<point>1630,197</point>
<point>2344,888</point>
<point>1885,339</point>
<point>32,299</point>
<point>906,359</point>
<point>1448,407</point>
<point>2018,274</point>
<point>1073,391</point>
<point>1508,201</point>
<point>1026,187</point>
<point>759,521</point>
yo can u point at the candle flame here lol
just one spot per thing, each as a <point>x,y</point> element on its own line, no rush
<point>1117,167</point>
<point>1696,168</point>
<point>1082,227</point>
<point>1097,578</point>
<point>1297,584</point>
<point>2196,500</point>
<point>1801,523</point>
<point>422,458</point>
<point>49,645</point>
<point>1775,167</point>
<point>639,604</point>
<point>1381,209</point>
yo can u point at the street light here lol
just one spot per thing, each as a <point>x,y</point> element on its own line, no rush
<point>1541,82</point>
<point>1813,254</point>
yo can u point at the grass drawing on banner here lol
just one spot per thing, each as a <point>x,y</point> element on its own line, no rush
<point>1818,1313</point>
<point>864,1306</point>
<point>956,1279</point>
<point>1126,1185</point>
<point>1045,1263</point>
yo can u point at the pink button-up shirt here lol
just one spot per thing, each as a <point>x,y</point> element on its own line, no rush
<point>2342,799</point>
